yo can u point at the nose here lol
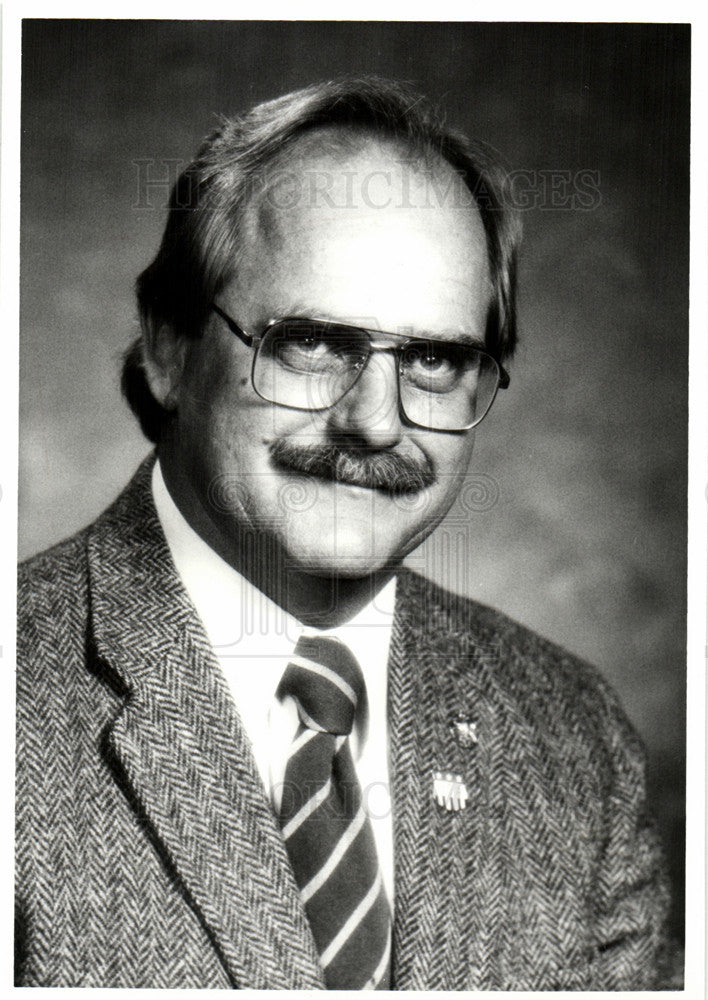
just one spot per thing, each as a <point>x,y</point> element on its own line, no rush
<point>370,410</point>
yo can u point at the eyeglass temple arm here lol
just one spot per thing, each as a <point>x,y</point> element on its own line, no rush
<point>234,327</point>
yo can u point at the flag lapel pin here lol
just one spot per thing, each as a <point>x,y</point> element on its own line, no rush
<point>449,790</point>
<point>465,732</point>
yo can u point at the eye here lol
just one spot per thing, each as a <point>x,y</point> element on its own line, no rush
<point>434,354</point>
<point>300,346</point>
<point>314,348</point>
<point>435,366</point>
<point>434,361</point>
<point>305,343</point>
<point>306,346</point>
<point>431,356</point>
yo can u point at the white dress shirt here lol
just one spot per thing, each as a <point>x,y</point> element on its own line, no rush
<point>253,639</point>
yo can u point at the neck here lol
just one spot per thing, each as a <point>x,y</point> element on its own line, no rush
<point>323,600</point>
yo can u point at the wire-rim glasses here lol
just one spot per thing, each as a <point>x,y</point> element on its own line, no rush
<point>308,364</point>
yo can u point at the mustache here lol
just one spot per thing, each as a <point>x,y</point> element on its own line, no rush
<point>388,472</point>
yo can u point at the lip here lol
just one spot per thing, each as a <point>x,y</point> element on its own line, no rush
<point>356,489</point>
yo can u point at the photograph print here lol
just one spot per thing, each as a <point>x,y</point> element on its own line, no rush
<point>352,505</point>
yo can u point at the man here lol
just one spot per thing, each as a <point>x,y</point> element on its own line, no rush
<point>323,328</point>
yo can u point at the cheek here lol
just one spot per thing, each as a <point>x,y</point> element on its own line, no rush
<point>216,368</point>
<point>227,430</point>
<point>451,456</point>
<point>215,394</point>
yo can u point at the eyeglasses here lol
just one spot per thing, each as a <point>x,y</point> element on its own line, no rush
<point>309,364</point>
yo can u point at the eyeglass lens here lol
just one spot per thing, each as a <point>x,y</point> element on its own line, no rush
<point>311,366</point>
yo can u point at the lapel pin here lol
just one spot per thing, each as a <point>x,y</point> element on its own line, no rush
<point>449,790</point>
<point>464,732</point>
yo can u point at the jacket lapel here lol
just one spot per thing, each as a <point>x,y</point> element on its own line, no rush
<point>434,848</point>
<point>180,751</point>
<point>457,879</point>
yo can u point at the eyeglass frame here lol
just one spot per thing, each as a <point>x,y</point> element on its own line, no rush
<point>254,341</point>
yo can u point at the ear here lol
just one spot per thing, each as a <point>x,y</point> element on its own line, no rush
<point>163,362</point>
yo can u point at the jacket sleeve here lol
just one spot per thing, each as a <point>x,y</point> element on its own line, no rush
<point>631,951</point>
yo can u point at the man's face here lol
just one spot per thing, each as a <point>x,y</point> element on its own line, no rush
<point>367,242</point>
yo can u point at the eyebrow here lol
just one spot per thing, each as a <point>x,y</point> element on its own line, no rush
<point>318,316</point>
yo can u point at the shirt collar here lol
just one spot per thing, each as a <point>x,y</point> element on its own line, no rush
<point>242,621</point>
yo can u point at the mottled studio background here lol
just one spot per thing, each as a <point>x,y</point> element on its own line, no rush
<point>574,518</point>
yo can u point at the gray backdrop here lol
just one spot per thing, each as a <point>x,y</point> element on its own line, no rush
<point>574,516</point>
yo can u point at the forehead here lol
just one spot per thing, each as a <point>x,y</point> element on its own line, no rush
<point>371,233</point>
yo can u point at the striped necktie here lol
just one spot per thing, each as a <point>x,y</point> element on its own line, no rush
<point>327,832</point>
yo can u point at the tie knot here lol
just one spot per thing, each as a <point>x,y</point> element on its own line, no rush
<point>325,679</point>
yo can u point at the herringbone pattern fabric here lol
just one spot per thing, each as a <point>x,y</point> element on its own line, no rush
<point>147,854</point>
<point>327,832</point>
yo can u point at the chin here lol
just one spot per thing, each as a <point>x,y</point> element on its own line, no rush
<point>349,556</point>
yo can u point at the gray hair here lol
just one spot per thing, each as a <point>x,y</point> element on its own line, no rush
<point>200,246</point>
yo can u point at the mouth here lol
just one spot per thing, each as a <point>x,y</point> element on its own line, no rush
<point>388,472</point>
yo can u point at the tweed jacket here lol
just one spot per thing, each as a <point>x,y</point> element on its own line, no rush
<point>147,853</point>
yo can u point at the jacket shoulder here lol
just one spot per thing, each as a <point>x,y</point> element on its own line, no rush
<point>52,616</point>
<point>53,586</point>
<point>49,566</point>
<point>51,592</point>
